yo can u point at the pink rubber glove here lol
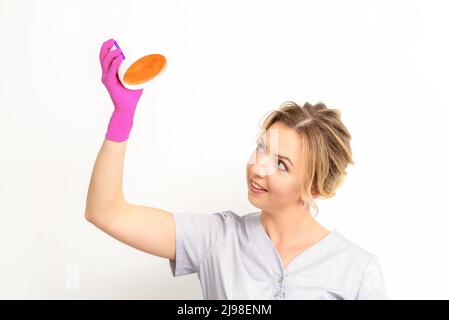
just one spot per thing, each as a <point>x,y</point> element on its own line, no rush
<point>124,100</point>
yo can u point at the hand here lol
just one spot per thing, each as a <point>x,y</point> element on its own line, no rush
<point>124,100</point>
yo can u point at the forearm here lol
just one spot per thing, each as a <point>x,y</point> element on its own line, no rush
<point>105,188</point>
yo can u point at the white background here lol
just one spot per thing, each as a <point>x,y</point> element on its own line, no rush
<point>384,64</point>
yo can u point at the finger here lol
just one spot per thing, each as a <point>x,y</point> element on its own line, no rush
<point>115,65</point>
<point>106,64</point>
<point>105,47</point>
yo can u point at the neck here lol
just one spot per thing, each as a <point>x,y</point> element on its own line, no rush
<point>289,226</point>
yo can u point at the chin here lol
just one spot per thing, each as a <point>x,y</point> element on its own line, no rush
<point>254,202</point>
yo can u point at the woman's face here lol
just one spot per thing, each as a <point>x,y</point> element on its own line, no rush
<point>274,165</point>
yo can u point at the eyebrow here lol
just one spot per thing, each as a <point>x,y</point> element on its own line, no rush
<point>279,156</point>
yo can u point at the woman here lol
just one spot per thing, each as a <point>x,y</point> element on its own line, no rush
<point>279,252</point>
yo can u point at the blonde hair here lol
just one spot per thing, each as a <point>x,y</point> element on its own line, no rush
<point>325,151</point>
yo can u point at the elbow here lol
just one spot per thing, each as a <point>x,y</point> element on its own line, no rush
<point>88,215</point>
<point>93,219</point>
<point>91,212</point>
<point>98,217</point>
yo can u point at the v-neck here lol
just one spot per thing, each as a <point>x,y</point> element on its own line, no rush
<point>306,251</point>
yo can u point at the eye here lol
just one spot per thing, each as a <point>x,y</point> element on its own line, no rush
<point>279,161</point>
<point>282,162</point>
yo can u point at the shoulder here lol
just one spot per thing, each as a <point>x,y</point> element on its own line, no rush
<point>356,254</point>
<point>220,221</point>
<point>235,222</point>
<point>238,226</point>
<point>233,219</point>
<point>359,267</point>
<point>227,218</point>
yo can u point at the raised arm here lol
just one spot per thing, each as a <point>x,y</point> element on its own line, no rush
<point>145,228</point>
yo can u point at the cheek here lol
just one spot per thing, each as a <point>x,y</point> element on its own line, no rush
<point>285,187</point>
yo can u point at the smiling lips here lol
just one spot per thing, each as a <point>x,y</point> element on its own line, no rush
<point>257,186</point>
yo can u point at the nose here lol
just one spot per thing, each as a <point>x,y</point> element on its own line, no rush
<point>263,165</point>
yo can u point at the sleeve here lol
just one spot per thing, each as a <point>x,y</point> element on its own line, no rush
<point>195,236</point>
<point>372,286</point>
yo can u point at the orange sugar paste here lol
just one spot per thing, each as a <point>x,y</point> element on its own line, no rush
<point>144,69</point>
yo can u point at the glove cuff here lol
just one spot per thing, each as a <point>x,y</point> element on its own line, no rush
<point>120,125</point>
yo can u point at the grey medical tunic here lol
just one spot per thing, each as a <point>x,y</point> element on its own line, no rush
<point>234,258</point>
